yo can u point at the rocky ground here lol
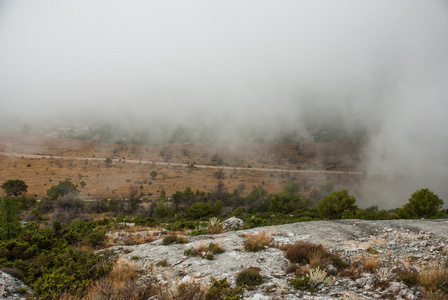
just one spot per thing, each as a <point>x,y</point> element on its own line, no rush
<point>414,245</point>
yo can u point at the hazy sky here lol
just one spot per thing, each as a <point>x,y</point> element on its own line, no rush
<point>379,64</point>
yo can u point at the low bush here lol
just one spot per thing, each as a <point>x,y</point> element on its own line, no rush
<point>257,242</point>
<point>305,252</point>
<point>205,251</point>
<point>221,289</point>
<point>174,239</point>
<point>302,284</point>
<point>249,277</point>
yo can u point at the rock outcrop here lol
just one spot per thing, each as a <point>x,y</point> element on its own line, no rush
<point>12,288</point>
<point>396,244</point>
<point>232,223</point>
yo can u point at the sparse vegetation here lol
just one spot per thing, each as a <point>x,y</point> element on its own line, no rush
<point>205,251</point>
<point>60,235</point>
<point>303,252</point>
<point>174,239</point>
<point>249,277</point>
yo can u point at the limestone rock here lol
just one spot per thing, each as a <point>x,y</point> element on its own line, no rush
<point>232,223</point>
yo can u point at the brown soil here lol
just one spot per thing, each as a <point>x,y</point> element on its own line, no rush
<point>42,162</point>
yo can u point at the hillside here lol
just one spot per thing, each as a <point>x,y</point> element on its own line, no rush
<point>43,162</point>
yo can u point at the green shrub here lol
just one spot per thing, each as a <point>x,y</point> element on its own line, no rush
<point>172,239</point>
<point>239,211</point>
<point>336,204</point>
<point>61,189</point>
<point>148,221</point>
<point>199,210</point>
<point>221,289</point>
<point>249,277</point>
<point>163,263</point>
<point>302,284</point>
<point>339,263</point>
<point>422,204</point>
<point>163,211</point>
<point>371,250</point>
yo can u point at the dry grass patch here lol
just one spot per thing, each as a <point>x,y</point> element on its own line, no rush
<point>213,226</point>
<point>370,263</point>
<point>257,242</point>
<point>435,279</point>
<point>121,283</point>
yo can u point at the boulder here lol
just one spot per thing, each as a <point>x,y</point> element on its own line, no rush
<point>232,223</point>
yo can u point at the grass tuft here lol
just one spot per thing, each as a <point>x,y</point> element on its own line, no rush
<point>257,242</point>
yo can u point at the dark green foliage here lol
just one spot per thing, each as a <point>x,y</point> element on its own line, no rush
<point>221,290</point>
<point>49,262</point>
<point>217,207</point>
<point>108,161</point>
<point>153,174</point>
<point>172,239</point>
<point>422,204</point>
<point>258,200</point>
<point>285,202</point>
<point>180,225</point>
<point>339,263</point>
<point>9,217</point>
<point>302,284</point>
<point>61,189</point>
<point>148,221</point>
<point>239,211</point>
<point>249,277</point>
<point>163,211</point>
<point>14,187</point>
<point>336,204</point>
<point>372,213</point>
<point>199,210</point>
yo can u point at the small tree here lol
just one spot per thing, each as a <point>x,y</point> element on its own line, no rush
<point>61,189</point>
<point>108,161</point>
<point>422,204</point>
<point>9,217</point>
<point>153,174</point>
<point>14,187</point>
<point>285,202</point>
<point>334,205</point>
<point>199,210</point>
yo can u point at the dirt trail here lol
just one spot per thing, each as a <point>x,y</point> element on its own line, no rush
<point>182,165</point>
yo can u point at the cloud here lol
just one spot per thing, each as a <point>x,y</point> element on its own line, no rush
<point>231,65</point>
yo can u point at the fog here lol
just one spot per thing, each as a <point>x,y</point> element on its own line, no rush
<point>240,69</point>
